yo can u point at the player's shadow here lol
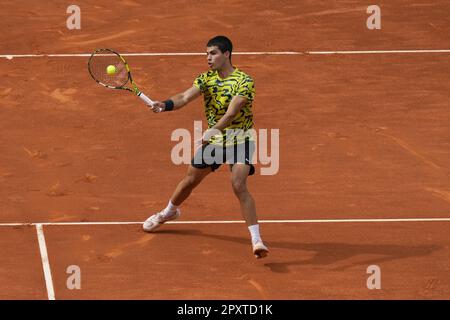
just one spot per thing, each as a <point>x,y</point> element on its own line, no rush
<point>331,254</point>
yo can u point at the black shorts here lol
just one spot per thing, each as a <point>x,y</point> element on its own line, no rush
<point>214,156</point>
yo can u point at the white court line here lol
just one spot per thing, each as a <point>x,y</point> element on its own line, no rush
<point>150,54</point>
<point>379,51</point>
<point>18,224</point>
<point>45,262</point>
<point>143,54</point>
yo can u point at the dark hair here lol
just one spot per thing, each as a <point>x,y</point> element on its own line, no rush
<point>223,43</point>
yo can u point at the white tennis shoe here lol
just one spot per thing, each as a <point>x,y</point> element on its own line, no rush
<point>260,250</point>
<point>158,219</point>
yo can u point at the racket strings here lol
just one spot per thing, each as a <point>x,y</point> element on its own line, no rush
<point>98,64</point>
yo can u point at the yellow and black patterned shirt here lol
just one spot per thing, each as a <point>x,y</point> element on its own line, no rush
<point>217,95</point>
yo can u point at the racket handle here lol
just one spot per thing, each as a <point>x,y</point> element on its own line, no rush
<point>146,99</point>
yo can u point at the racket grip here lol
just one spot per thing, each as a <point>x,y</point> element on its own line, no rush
<point>146,99</point>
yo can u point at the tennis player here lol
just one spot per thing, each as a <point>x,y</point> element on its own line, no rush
<point>228,94</point>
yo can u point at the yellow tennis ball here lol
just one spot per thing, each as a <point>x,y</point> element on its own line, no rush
<point>111,70</point>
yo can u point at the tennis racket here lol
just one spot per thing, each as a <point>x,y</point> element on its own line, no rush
<point>121,79</point>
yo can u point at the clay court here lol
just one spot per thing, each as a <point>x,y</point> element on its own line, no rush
<point>364,172</point>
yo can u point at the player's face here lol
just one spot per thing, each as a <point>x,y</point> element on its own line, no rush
<point>216,58</point>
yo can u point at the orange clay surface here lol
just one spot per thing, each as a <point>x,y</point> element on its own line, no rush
<point>361,136</point>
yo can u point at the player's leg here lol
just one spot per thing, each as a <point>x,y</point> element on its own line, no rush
<point>239,174</point>
<point>192,179</point>
<point>201,165</point>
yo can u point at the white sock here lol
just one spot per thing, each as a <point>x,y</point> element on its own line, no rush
<point>170,209</point>
<point>254,232</point>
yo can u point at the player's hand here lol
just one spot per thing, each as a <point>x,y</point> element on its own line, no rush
<point>157,106</point>
<point>209,133</point>
<point>203,140</point>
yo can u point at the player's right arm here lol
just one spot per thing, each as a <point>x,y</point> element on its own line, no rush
<point>179,100</point>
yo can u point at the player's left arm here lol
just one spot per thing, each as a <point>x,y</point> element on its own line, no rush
<point>235,106</point>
